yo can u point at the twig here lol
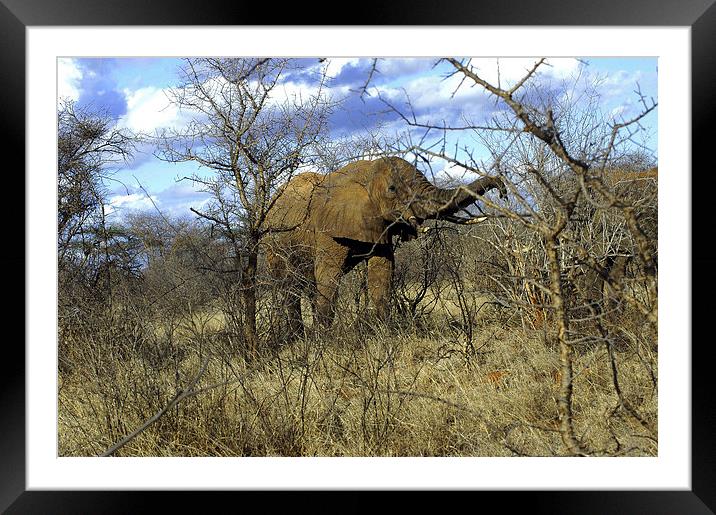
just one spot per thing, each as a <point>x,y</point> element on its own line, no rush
<point>178,397</point>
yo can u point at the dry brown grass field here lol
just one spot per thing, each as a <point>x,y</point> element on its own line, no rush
<point>357,390</point>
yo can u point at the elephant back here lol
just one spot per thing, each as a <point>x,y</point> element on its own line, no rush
<point>291,203</point>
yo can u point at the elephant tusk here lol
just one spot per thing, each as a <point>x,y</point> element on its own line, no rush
<point>476,220</point>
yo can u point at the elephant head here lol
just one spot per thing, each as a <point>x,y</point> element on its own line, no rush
<point>370,201</point>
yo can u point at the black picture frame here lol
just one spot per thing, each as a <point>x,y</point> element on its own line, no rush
<point>16,15</point>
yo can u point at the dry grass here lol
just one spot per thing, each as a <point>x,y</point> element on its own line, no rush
<point>359,392</point>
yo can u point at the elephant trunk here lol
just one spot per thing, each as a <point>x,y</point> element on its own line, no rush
<point>448,201</point>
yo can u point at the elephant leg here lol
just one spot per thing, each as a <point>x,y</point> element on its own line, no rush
<point>326,290</point>
<point>293,313</point>
<point>284,267</point>
<point>380,276</point>
<point>329,268</point>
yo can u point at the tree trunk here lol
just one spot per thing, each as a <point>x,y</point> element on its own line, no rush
<point>248,296</point>
<point>564,403</point>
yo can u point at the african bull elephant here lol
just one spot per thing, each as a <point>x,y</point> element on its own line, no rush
<point>321,226</point>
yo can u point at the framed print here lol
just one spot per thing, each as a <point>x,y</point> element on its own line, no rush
<point>382,291</point>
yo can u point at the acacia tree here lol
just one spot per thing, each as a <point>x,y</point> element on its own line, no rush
<point>253,136</point>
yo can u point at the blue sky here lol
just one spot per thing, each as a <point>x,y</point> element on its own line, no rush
<point>133,91</point>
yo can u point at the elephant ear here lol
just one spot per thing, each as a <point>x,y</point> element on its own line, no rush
<point>343,209</point>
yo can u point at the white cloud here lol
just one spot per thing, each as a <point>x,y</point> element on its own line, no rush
<point>386,68</point>
<point>131,202</point>
<point>69,75</point>
<point>448,174</point>
<point>177,200</point>
<point>173,201</point>
<point>404,66</point>
<point>618,111</point>
<point>430,92</point>
<point>334,65</point>
<point>620,84</point>
<point>433,90</point>
<point>149,109</point>
<point>291,92</point>
<point>507,71</point>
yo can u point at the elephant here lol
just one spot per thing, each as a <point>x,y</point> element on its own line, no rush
<point>321,226</point>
